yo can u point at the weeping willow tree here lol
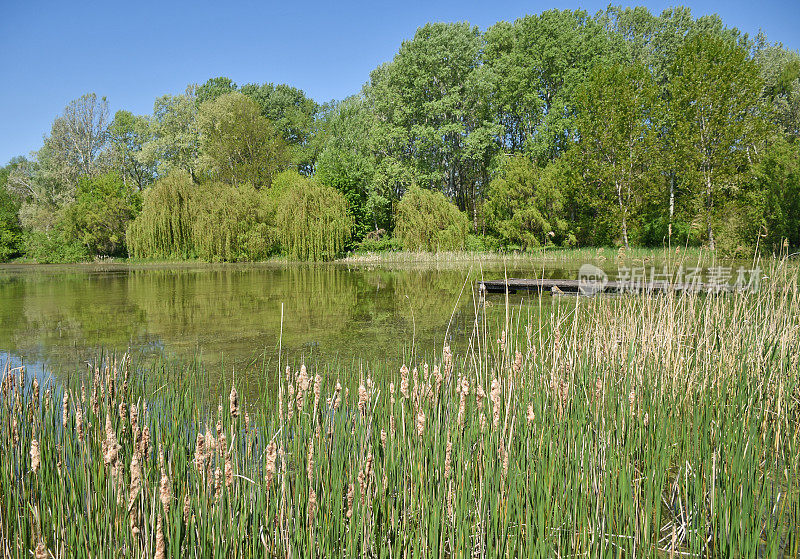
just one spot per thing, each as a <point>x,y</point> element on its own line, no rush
<point>164,227</point>
<point>312,221</point>
<point>231,223</point>
<point>427,220</point>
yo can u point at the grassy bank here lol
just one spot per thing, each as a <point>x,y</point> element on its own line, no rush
<point>628,427</point>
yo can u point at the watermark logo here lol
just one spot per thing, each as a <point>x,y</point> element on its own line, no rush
<point>715,279</point>
<point>591,280</point>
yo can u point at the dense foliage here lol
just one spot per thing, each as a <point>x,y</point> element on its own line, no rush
<point>311,219</point>
<point>427,220</point>
<point>560,128</point>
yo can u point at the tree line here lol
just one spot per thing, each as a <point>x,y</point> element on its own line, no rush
<point>618,129</point>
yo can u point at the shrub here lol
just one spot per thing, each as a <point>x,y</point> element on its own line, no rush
<point>53,247</point>
<point>102,209</point>
<point>312,221</point>
<point>427,220</point>
<point>525,205</point>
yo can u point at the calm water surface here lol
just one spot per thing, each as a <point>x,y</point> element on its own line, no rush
<point>230,316</point>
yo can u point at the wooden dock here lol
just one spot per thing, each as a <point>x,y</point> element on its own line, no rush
<point>582,287</point>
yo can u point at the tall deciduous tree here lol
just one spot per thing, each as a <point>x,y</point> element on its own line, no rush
<point>238,145</point>
<point>617,146</point>
<point>127,135</point>
<point>175,143</point>
<point>431,103</point>
<point>715,93</point>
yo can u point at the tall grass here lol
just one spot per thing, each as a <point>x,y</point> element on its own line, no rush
<point>629,427</point>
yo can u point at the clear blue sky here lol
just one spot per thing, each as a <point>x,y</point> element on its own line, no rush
<point>133,52</point>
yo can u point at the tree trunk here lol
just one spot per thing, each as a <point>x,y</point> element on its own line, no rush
<point>622,213</point>
<point>671,201</point>
<point>709,211</point>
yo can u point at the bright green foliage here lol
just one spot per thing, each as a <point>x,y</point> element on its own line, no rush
<point>214,88</point>
<point>238,145</point>
<point>536,64</point>
<point>525,204</point>
<point>312,221</point>
<point>715,95</point>
<point>293,114</point>
<point>231,223</point>
<point>427,220</point>
<point>127,135</point>
<point>776,190</point>
<point>346,164</point>
<point>164,227</point>
<point>10,229</point>
<point>175,140</point>
<point>617,148</point>
<point>101,212</point>
<point>53,246</point>
<point>431,103</point>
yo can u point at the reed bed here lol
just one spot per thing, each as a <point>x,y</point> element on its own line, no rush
<point>628,427</point>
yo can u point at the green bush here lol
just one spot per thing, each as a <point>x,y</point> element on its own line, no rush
<point>10,230</point>
<point>312,221</point>
<point>53,247</point>
<point>427,220</point>
<point>525,206</point>
<point>97,219</point>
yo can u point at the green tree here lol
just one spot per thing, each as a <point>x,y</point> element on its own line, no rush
<point>536,65</point>
<point>431,106</point>
<point>312,221</point>
<point>525,204</point>
<point>715,96</point>
<point>214,88</point>
<point>346,162</point>
<point>98,218</point>
<point>238,145</point>
<point>294,115</point>
<point>127,135</point>
<point>617,146</point>
<point>427,220</point>
<point>175,141</point>
<point>10,229</point>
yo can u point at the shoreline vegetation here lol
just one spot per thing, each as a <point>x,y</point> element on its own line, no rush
<point>635,426</point>
<point>560,129</point>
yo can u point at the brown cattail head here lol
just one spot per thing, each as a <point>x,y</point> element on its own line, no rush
<point>187,507</point>
<point>161,544</point>
<point>65,410</point>
<point>228,471</point>
<point>15,432</point>
<point>317,390</point>
<point>164,492</point>
<point>420,422</point>
<point>531,414</point>
<point>310,462</point>
<point>136,480</point>
<point>272,455</point>
<point>351,493</point>
<point>79,423</point>
<point>35,390</point>
<point>200,453</point>
<point>404,381</point>
<point>447,358</point>
<point>35,456</point>
<point>448,456</point>
<point>234,400</point>
<point>494,396</point>
<point>145,443</point>
<point>217,483</point>
<point>363,397</point>
<point>312,505</point>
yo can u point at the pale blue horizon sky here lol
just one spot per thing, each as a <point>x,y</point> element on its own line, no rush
<point>131,53</point>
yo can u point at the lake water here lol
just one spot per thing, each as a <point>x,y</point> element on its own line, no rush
<point>236,317</point>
